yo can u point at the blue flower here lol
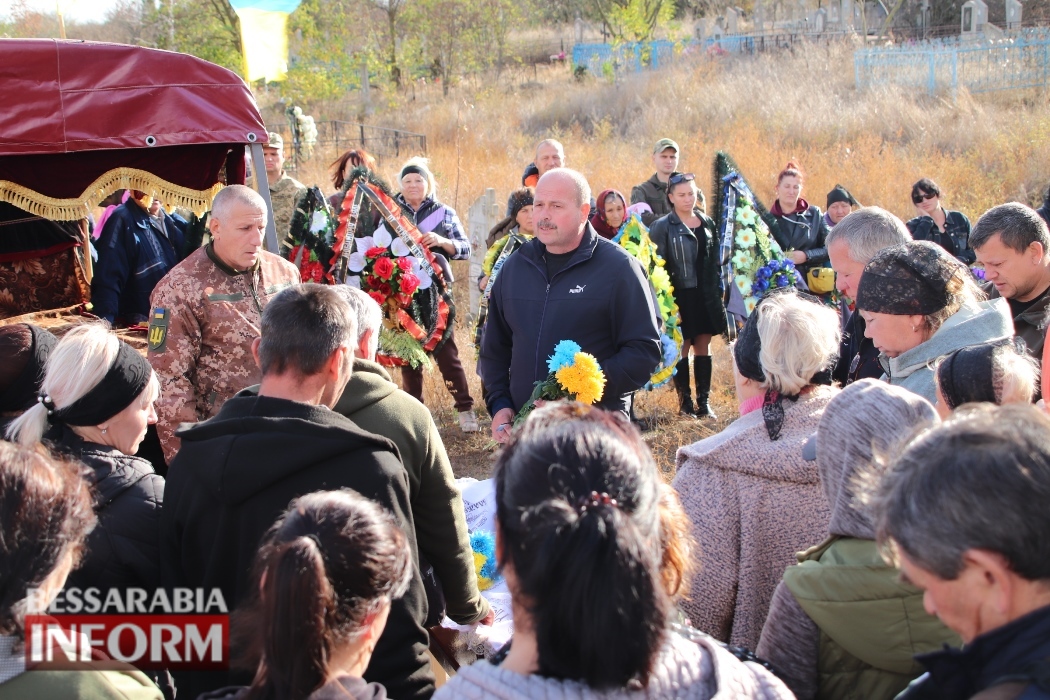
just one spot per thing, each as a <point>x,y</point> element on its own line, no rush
<point>564,355</point>
<point>763,273</point>
<point>774,264</point>
<point>782,281</point>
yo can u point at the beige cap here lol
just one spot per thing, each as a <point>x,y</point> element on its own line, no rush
<point>663,144</point>
<point>275,141</point>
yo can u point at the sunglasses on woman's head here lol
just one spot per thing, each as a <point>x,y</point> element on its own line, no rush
<point>918,198</point>
<point>681,177</point>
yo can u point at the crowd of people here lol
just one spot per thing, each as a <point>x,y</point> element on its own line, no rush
<point>872,525</point>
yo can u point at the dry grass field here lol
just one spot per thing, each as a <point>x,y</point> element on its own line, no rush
<point>764,111</point>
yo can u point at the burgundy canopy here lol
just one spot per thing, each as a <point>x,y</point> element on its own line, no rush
<point>80,119</point>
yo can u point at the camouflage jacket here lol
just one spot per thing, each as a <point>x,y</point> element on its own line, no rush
<point>204,318</point>
<point>285,194</point>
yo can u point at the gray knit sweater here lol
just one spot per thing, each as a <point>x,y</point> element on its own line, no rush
<point>700,670</point>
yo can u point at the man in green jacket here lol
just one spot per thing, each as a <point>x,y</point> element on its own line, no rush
<point>377,405</point>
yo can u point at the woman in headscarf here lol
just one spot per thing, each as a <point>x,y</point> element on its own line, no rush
<point>842,624</point>
<point>753,501</point>
<point>840,204</point>
<point>920,304</point>
<point>94,405</point>
<point>24,349</point>
<point>1001,372</point>
<point>610,214</point>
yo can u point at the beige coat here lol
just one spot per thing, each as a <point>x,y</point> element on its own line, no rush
<point>753,504</point>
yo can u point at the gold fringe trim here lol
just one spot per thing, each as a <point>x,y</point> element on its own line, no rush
<point>174,196</point>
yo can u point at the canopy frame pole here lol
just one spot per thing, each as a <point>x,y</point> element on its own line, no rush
<point>261,186</point>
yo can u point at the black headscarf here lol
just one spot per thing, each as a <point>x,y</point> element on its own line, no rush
<point>910,279</point>
<point>24,349</point>
<point>968,374</point>
<point>124,381</point>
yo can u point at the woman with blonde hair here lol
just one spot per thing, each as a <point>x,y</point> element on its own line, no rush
<point>752,498</point>
<point>94,406</point>
<point>999,373</point>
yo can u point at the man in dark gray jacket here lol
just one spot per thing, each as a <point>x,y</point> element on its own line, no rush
<point>566,284</point>
<point>654,190</point>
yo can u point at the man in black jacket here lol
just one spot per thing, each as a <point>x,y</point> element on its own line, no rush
<point>567,283</point>
<point>964,510</point>
<point>852,243</point>
<point>236,472</point>
<point>654,190</point>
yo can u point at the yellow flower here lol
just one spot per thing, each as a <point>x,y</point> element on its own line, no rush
<point>584,378</point>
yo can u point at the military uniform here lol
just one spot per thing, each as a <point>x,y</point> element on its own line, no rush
<point>204,318</point>
<point>284,195</point>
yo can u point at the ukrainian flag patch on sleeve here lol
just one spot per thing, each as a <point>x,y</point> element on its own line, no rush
<point>158,329</point>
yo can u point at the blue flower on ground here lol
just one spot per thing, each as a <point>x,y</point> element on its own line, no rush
<point>564,355</point>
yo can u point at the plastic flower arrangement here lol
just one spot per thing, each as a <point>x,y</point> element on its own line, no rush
<point>633,237</point>
<point>484,545</point>
<point>311,235</point>
<point>776,274</point>
<point>384,268</point>
<point>572,374</point>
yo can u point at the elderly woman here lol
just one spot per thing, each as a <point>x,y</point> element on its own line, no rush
<point>687,240</point>
<point>94,406</point>
<point>920,304</point>
<point>1000,373</point>
<point>45,520</point>
<point>610,214</point>
<point>840,205</point>
<point>841,623</point>
<point>801,230</point>
<point>752,499</point>
<point>585,553</point>
<point>24,349</point>
<point>326,573</point>
<point>443,234</point>
<point>948,229</point>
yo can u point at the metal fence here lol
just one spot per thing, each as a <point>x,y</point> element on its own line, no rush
<point>1019,60</point>
<point>601,59</point>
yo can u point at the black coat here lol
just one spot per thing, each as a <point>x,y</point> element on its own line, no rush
<point>236,473</point>
<point>688,265</point>
<point>956,236</point>
<point>1018,649</point>
<point>858,356</point>
<point>601,299</point>
<point>123,550</point>
<point>807,232</point>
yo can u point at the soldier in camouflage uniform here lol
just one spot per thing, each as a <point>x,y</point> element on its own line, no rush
<point>285,192</point>
<point>206,312</point>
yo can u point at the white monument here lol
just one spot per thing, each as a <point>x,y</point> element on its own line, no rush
<point>974,16</point>
<point>1013,14</point>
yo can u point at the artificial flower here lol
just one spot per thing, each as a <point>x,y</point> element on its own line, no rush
<point>356,262</point>
<point>405,265</point>
<point>749,305</point>
<point>409,283</point>
<point>384,268</point>
<point>741,259</point>
<point>743,284</point>
<point>400,248</point>
<point>746,238</point>
<point>382,237</point>
<point>564,355</point>
<point>377,297</point>
<point>583,378</point>
<point>374,252</point>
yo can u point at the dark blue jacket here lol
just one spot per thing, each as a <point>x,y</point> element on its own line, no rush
<point>133,255</point>
<point>1014,652</point>
<point>601,299</point>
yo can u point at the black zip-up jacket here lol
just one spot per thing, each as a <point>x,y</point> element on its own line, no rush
<point>122,551</point>
<point>858,356</point>
<point>1017,652</point>
<point>806,232</point>
<point>601,299</point>
<point>678,246</point>
<point>956,236</point>
<point>236,473</point>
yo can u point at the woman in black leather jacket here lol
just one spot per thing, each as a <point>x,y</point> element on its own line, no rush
<point>948,229</point>
<point>801,230</point>
<point>688,242</point>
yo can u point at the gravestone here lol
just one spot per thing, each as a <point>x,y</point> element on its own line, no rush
<point>974,16</point>
<point>820,20</point>
<point>846,14</point>
<point>732,20</point>
<point>760,17</point>
<point>1013,14</point>
<point>483,214</point>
